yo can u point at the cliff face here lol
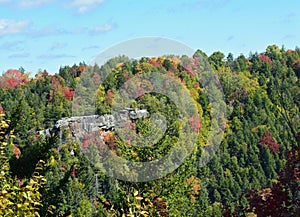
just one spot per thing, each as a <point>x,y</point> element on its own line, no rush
<point>81,125</point>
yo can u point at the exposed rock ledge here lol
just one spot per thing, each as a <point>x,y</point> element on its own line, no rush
<point>82,125</point>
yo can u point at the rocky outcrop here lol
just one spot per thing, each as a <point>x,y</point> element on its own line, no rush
<point>82,125</point>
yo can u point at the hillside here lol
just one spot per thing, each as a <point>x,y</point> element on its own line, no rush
<point>232,128</point>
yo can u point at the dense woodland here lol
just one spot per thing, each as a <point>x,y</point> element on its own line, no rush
<point>256,171</point>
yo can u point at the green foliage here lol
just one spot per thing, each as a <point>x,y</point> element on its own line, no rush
<point>262,96</point>
<point>18,197</point>
<point>217,60</point>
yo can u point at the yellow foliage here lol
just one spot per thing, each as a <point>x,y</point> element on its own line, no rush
<point>227,172</point>
<point>251,214</point>
<point>15,199</point>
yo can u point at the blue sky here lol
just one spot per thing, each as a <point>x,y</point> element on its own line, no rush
<point>47,34</point>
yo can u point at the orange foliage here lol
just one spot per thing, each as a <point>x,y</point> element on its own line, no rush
<point>109,97</point>
<point>119,66</point>
<point>195,123</point>
<point>193,187</point>
<point>41,75</point>
<point>175,61</point>
<point>194,183</point>
<point>17,152</point>
<point>107,137</point>
<point>110,139</point>
<point>153,62</point>
<point>81,68</point>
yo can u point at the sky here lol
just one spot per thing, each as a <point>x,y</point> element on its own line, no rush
<point>47,34</point>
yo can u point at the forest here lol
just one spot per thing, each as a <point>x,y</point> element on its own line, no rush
<point>254,172</point>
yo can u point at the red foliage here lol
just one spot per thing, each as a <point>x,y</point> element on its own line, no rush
<point>270,142</point>
<point>2,111</point>
<point>292,171</point>
<point>86,143</point>
<point>45,73</point>
<point>195,123</point>
<point>63,167</point>
<point>69,93</point>
<point>153,62</point>
<point>56,85</point>
<point>265,58</point>
<point>195,62</point>
<point>192,65</point>
<point>13,78</point>
<point>189,70</point>
<point>276,201</point>
<point>17,152</point>
<point>94,138</point>
<point>74,172</point>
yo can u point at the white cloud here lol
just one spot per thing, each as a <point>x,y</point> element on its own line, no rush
<point>84,5</point>
<point>33,3</point>
<point>78,30</point>
<point>8,27</point>
<point>4,1</point>
<point>104,28</point>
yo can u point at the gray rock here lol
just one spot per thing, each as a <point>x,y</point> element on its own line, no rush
<point>81,125</point>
